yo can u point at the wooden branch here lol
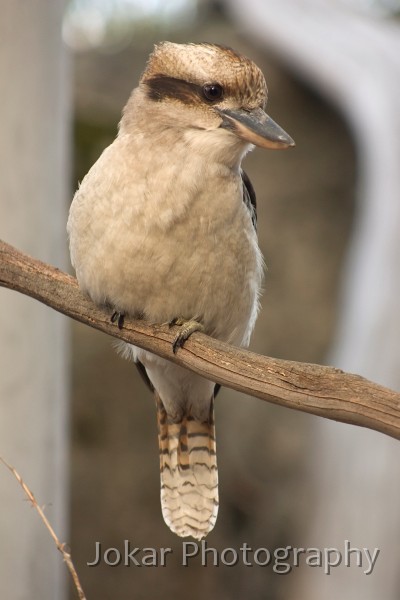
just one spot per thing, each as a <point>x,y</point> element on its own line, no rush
<point>320,390</point>
<point>60,546</point>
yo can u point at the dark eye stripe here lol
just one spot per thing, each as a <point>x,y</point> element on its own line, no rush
<point>162,86</point>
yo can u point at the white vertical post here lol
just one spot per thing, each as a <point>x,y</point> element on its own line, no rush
<point>34,126</point>
<point>355,60</point>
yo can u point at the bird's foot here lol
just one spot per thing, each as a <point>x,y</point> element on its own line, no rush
<point>187,328</point>
<point>118,317</point>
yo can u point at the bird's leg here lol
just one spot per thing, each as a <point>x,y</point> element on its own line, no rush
<point>119,318</point>
<point>187,328</point>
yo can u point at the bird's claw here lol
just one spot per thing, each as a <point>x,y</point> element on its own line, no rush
<point>187,328</point>
<point>118,318</point>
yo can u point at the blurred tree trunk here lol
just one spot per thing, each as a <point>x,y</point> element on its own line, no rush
<point>34,113</point>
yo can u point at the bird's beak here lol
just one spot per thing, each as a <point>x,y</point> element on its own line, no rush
<point>255,127</point>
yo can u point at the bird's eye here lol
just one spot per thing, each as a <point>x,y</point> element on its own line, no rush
<point>213,91</point>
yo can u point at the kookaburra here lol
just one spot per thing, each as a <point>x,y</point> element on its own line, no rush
<point>163,227</point>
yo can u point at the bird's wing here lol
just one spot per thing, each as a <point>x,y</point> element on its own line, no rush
<point>249,198</point>
<point>143,374</point>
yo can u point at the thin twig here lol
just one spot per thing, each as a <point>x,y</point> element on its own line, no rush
<point>60,546</point>
<point>316,389</point>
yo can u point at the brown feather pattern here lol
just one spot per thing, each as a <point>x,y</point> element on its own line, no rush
<point>188,468</point>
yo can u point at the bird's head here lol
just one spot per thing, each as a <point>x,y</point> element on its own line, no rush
<point>213,95</point>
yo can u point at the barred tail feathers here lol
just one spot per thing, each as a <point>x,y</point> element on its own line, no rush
<point>189,476</point>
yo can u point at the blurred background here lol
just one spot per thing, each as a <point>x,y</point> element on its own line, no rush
<point>329,225</point>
